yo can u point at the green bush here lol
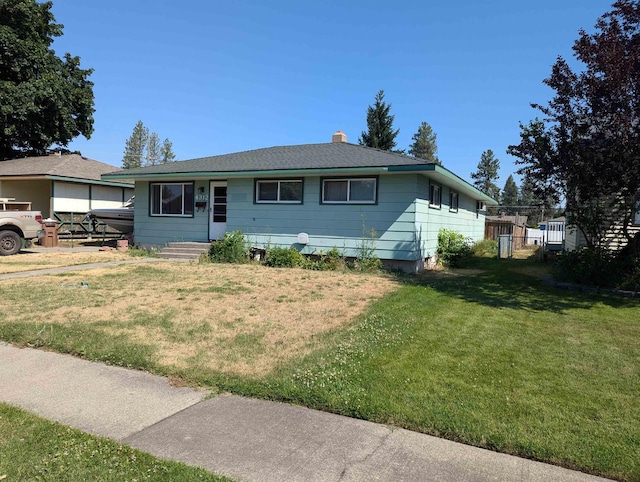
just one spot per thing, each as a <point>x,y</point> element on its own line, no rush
<point>278,257</point>
<point>232,248</point>
<point>138,251</point>
<point>586,266</point>
<point>454,249</point>
<point>332,260</point>
<point>485,248</point>
<point>599,268</point>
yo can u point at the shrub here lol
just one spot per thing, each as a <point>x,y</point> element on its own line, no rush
<point>278,257</point>
<point>598,268</point>
<point>486,247</point>
<point>232,248</point>
<point>332,260</point>
<point>138,251</point>
<point>453,248</point>
<point>366,260</point>
<point>584,266</point>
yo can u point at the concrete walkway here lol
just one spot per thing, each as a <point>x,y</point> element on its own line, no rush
<point>246,439</point>
<point>75,267</point>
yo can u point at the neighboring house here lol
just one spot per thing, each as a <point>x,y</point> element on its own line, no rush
<point>313,197</point>
<point>615,241</point>
<point>503,224</point>
<point>553,233</point>
<point>63,187</point>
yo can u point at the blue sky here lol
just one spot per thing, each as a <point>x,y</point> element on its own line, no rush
<point>218,77</point>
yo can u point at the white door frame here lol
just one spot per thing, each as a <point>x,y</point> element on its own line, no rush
<point>217,209</point>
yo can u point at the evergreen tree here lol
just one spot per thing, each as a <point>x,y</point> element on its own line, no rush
<point>153,149</point>
<point>486,175</point>
<point>380,134</point>
<point>509,196</point>
<point>424,144</point>
<point>135,147</point>
<point>144,149</point>
<point>44,100</point>
<point>527,197</point>
<point>166,152</point>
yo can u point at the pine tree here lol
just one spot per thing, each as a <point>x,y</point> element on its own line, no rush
<point>135,147</point>
<point>424,144</point>
<point>380,134</point>
<point>166,152</point>
<point>486,175</point>
<point>153,149</point>
<point>144,149</point>
<point>509,195</point>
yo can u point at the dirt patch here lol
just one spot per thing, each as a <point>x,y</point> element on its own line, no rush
<point>450,272</point>
<point>244,319</point>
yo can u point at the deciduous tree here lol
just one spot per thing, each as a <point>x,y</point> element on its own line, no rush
<point>586,150</point>
<point>44,99</point>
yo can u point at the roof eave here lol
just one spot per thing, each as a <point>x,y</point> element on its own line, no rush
<point>444,175</point>
<point>241,174</point>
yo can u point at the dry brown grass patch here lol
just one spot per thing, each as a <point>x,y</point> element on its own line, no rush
<point>243,319</point>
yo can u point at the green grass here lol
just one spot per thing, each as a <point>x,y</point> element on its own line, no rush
<point>32,448</point>
<point>496,360</point>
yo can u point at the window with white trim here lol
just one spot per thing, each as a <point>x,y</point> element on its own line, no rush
<point>279,191</point>
<point>349,191</point>
<point>453,201</point>
<point>172,199</point>
<point>435,196</point>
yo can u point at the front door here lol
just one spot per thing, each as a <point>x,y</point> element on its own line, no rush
<point>217,209</point>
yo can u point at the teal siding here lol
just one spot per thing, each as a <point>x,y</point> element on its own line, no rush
<point>405,227</point>
<point>160,230</point>
<point>331,225</point>
<point>430,220</point>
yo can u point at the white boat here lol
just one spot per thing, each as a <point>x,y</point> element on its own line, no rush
<point>120,218</point>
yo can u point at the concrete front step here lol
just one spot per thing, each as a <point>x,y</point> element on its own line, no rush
<point>185,250</point>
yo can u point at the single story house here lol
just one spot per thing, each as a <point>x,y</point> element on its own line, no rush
<point>63,187</point>
<point>314,197</point>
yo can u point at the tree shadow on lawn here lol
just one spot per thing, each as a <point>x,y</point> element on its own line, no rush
<point>510,289</point>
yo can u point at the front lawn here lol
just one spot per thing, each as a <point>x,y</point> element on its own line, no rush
<point>32,448</point>
<point>491,358</point>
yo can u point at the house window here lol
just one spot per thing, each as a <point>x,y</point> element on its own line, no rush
<point>435,196</point>
<point>286,191</point>
<point>349,191</point>
<point>172,199</point>
<point>453,201</point>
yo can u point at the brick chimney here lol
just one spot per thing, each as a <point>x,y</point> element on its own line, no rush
<point>339,136</point>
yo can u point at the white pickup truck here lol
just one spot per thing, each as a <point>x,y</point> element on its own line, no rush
<point>17,224</point>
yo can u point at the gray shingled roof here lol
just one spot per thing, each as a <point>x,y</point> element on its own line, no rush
<point>306,156</point>
<point>69,165</point>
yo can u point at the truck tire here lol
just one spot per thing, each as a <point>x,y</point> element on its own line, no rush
<point>10,243</point>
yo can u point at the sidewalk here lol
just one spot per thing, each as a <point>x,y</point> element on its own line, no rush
<point>247,439</point>
<point>75,267</point>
